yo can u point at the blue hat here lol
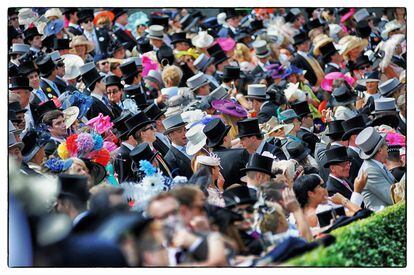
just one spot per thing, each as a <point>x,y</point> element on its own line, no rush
<point>53,27</point>
<point>287,114</point>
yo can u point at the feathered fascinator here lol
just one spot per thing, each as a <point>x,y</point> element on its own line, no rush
<point>56,165</point>
<point>147,65</point>
<point>78,99</point>
<point>395,139</point>
<point>100,123</point>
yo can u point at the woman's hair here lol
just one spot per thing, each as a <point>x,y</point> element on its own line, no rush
<point>273,221</point>
<point>304,184</point>
<point>103,21</point>
<point>194,164</point>
<point>231,121</point>
<point>172,74</point>
<point>242,53</point>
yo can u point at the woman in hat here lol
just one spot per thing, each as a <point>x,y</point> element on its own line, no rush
<point>82,47</point>
<point>393,63</point>
<point>187,57</point>
<point>230,113</point>
<point>243,56</point>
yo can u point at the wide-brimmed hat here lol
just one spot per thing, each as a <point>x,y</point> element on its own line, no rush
<point>45,65</point>
<point>261,49</point>
<point>172,123</point>
<point>292,69</point>
<point>373,76</point>
<point>19,82</point>
<point>343,96</point>
<point>72,64</point>
<point>259,163</point>
<point>103,15</point>
<point>226,43</point>
<point>297,150</point>
<point>229,107</point>
<point>53,27</point>
<point>74,186</point>
<point>202,62</point>
<point>293,93</point>
<point>353,126</point>
<point>272,125</point>
<point>287,115</point>
<point>155,32</point>
<point>197,81</point>
<point>155,76</point>
<point>70,114</point>
<point>369,141</point>
<point>363,29</point>
<point>90,74</point>
<point>82,40</point>
<point>154,112</point>
<point>202,40</point>
<point>320,41</point>
<point>137,122</point>
<point>388,87</point>
<point>13,142</point>
<point>188,21</point>
<point>301,108</point>
<point>328,80</point>
<point>215,131</point>
<point>129,69</point>
<point>134,92</point>
<point>257,91</point>
<point>335,155</point>
<point>248,127</point>
<point>17,48</point>
<point>96,170</point>
<point>335,129</point>
<point>237,196</point>
<point>180,37</point>
<point>196,139</point>
<point>351,43</point>
<point>142,152</point>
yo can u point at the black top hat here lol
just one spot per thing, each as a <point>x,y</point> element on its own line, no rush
<point>255,26</point>
<point>292,14</point>
<point>301,108</point>
<point>180,37</point>
<point>165,55</point>
<point>327,50</point>
<point>90,77</point>
<point>134,92</point>
<point>237,196</point>
<point>12,70</point>
<point>85,14</point>
<point>248,127</point>
<point>161,20</point>
<point>363,30</point>
<point>129,69</point>
<point>136,122</point>
<point>343,96</point>
<point>74,186</point>
<point>61,44</point>
<point>390,119</point>
<point>353,126</point>
<point>297,150</point>
<point>362,60</point>
<point>259,163</point>
<point>231,73</point>
<point>42,109</point>
<point>45,65</point>
<point>230,13</point>
<point>19,82</point>
<point>33,140</point>
<point>335,155</point>
<point>154,112</point>
<point>144,45</point>
<point>49,41</point>
<point>300,38</point>
<point>187,22</point>
<point>120,125</point>
<point>12,34</point>
<point>12,116</point>
<point>27,67</point>
<point>313,24</point>
<point>16,107</point>
<point>118,12</point>
<point>217,52</point>
<point>215,132</point>
<point>112,80</point>
<point>30,33</point>
<point>335,129</point>
<point>142,152</point>
<point>96,170</point>
<point>214,49</point>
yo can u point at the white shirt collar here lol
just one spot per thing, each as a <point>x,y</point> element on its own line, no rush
<point>127,145</point>
<point>338,179</point>
<point>356,149</point>
<point>98,96</point>
<point>334,65</point>
<point>79,217</point>
<point>260,148</point>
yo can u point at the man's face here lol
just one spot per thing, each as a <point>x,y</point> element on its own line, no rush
<point>87,24</point>
<point>36,42</point>
<point>178,136</point>
<point>24,96</point>
<point>156,43</point>
<point>114,93</point>
<point>123,19</point>
<point>234,22</point>
<point>16,154</point>
<point>104,66</point>
<point>371,85</point>
<point>58,128</point>
<point>247,211</point>
<point>163,208</point>
<point>148,134</point>
<point>14,20</point>
<point>307,121</point>
<point>60,68</point>
<point>341,170</point>
<point>204,91</point>
<point>22,123</point>
<point>34,80</point>
<point>182,46</point>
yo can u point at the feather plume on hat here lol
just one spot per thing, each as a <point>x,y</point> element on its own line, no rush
<point>389,49</point>
<point>278,27</point>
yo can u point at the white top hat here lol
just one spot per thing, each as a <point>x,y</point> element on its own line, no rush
<point>156,32</point>
<point>196,139</point>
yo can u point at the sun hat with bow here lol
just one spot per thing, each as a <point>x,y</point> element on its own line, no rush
<point>211,160</point>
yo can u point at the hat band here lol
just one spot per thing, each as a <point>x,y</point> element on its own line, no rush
<point>370,151</point>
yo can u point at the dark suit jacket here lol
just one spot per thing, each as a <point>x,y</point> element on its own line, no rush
<point>74,30</point>
<point>99,107</point>
<point>161,147</point>
<point>47,89</point>
<point>104,39</point>
<point>356,163</point>
<point>334,186</point>
<point>124,37</point>
<point>116,109</point>
<point>330,69</point>
<point>300,62</point>
<point>60,84</point>
<point>310,138</point>
<point>232,161</point>
<point>122,164</point>
<point>179,163</point>
<point>268,110</point>
<point>51,147</point>
<point>402,126</point>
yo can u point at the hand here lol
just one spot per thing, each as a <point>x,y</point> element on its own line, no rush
<point>337,198</point>
<point>161,98</point>
<point>220,182</point>
<point>290,201</point>
<point>183,238</point>
<point>327,114</point>
<point>200,224</point>
<point>360,182</point>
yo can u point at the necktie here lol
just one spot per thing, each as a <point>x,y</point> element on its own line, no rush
<point>346,184</point>
<point>53,85</point>
<point>388,174</point>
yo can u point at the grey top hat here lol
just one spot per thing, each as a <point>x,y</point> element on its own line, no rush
<point>155,77</point>
<point>388,87</point>
<point>219,93</point>
<point>361,15</point>
<point>19,48</point>
<point>156,32</point>
<point>197,81</point>
<point>55,55</point>
<point>287,114</point>
<point>13,129</point>
<point>261,48</point>
<point>13,142</point>
<point>257,91</point>
<point>202,62</point>
<point>384,105</point>
<point>172,123</point>
<point>369,141</point>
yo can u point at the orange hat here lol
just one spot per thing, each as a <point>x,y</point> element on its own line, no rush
<point>108,14</point>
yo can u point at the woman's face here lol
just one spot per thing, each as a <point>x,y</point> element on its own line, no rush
<point>319,195</point>
<point>81,50</point>
<point>79,168</point>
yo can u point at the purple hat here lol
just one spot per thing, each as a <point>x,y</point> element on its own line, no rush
<point>275,71</point>
<point>292,70</point>
<point>229,107</point>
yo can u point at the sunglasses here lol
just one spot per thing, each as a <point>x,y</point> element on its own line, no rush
<point>87,20</point>
<point>148,128</point>
<point>104,63</point>
<point>249,210</point>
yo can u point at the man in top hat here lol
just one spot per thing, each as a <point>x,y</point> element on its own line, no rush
<point>199,84</point>
<point>162,144</point>
<point>220,59</point>
<point>120,31</point>
<point>296,17</point>
<point>156,36</point>
<point>33,38</point>
<point>71,14</point>
<point>306,129</point>
<point>229,77</point>
<point>94,83</point>
<point>374,152</point>
<point>258,171</point>
<point>232,160</point>
<point>73,197</point>
<point>19,86</point>
<point>62,45</point>
<point>114,90</point>
<point>256,94</point>
<point>263,53</point>
<point>385,113</point>
<point>180,41</point>
<point>302,59</point>
<point>48,72</point>
<point>392,88</point>
<point>60,66</point>
<point>177,158</point>
<point>34,151</point>
<point>331,58</point>
<point>232,24</point>
<point>344,98</point>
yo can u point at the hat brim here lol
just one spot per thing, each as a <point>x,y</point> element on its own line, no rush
<point>211,144</point>
<point>303,155</point>
<point>70,119</point>
<point>178,126</point>
<point>363,82</point>
<point>94,81</point>
<point>351,132</point>
<point>21,87</point>
<point>139,126</point>
<point>263,55</point>
<point>393,90</point>
<point>249,134</point>
<point>220,107</point>
<point>205,82</point>
<point>192,149</point>
<point>19,144</point>
<point>258,97</point>
<point>352,99</point>
<point>335,161</point>
<point>257,169</point>
<point>364,156</point>
<point>387,119</point>
<point>155,37</point>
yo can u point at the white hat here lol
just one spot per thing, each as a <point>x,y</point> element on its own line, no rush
<point>202,40</point>
<point>72,64</point>
<point>70,114</point>
<point>27,16</point>
<point>293,93</point>
<point>389,27</point>
<point>212,160</point>
<point>192,117</point>
<point>53,12</point>
<point>334,29</point>
<point>196,139</point>
<point>156,32</point>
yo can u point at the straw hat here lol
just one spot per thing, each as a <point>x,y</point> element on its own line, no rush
<point>353,43</point>
<point>53,12</point>
<point>272,125</point>
<point>70,114</point>
<point>319,41</point>
<point>82,40</point>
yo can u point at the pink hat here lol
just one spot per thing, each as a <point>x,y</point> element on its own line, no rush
<point>348,15</point>
<point>229,107</point>
<point>329,79</point>
<point>227,44</point>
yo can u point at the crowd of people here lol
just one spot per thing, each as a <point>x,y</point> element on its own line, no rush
<point>170,138</point>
